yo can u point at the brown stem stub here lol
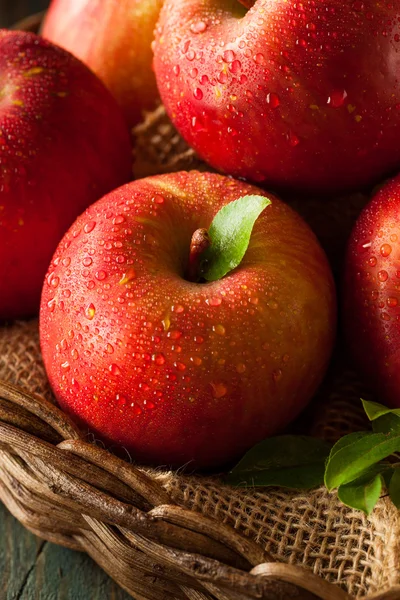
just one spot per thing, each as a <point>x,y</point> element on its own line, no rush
<point>199,243</point>
<point>247,3</point>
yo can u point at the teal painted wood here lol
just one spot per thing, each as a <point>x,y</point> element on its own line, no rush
<point>32,569</point>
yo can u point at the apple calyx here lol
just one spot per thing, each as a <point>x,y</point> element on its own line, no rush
<point>199,243</point>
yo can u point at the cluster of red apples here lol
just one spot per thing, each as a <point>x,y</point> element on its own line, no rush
<point>285,95</point>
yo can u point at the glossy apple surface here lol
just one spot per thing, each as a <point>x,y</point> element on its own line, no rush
<point>113,37</point>
<point>301,95</point>
<point>372,293</point>
<point>181,372</point>
<point>63,144</point>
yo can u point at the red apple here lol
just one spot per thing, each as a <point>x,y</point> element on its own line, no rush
<point>372,293</point>
<point>296,94</point>
<point>63,144</point>
<point>113,37</point>
<point>177,371</point>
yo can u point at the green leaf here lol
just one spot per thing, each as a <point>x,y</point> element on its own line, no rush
<point>387,423</point>
<point>230,234</point>
<point>387,475</point>
<point>374,410</point>
<point>394,488</point>
<point>290,461</point>
<point>356,452</point>
<point>362,493</point>
<point>384,419</point>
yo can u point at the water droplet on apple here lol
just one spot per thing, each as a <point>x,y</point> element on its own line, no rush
<point>109,349</point>
<point>178,308</point>
<point>235,67</point>
<point>128,276</point>
<point>259,58</point>
<point>382,276</point>
<point>74,353</point>
<point>66,261</point>
<point>176,70</point>
<point>89,226</point>
<point>198,27</point>
<point>219,329</point>
<point>120,259</point>
<point>219,390</point>
<point>87,261</point>
<point>180,366</point>
<point>90,311</point>
<point>229,56</point>
<point>214,301</point>
<point>121,400</point>
<point>372,261</point>
<point>198,94</point>
<point>277,375</point>
<point>190,55</point>
<point>159,359</point>
<point>148,404</point>
<point>223,77</point>
<point>100,275</point>
<point>293,139</point>
<point>358,6</point>
<point>65,366</point>
<point>337,98</point>
<point>53,280</point>
<point>392,301</point>
<point>273,100</point>
<point>240,368</point>
<point>51,305</point>
<point>196,360</point>
<point>114,369</point>
<point>385,250</point>
<point>75,384</point>
<point>198,339</point>
<point>174,334</point>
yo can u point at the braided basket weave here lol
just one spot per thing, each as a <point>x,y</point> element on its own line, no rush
<point>164,535</point>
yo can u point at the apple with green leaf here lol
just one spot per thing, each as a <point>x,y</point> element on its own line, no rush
<point>113,37</point>
<point>301,95</point>
<point>63,145</point>
<point>193,316</point>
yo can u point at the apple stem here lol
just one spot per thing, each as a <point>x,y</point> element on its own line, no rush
<point>199,243</point>
<point>247,3</point>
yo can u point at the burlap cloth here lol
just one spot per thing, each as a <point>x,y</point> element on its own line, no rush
<point>309,528</point>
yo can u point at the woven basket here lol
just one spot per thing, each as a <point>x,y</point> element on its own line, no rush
<point>165,535</point>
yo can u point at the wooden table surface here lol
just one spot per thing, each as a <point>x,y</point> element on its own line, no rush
<point>30,568</point>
